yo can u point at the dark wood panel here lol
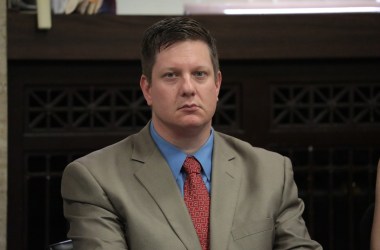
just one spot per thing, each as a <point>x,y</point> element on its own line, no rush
<point>330,55</point>
<point>109,37</point>
<point>343,152</point>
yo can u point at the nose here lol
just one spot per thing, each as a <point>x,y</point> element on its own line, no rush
<point>187,87</point>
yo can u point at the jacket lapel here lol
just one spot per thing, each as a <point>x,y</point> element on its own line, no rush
<point>156,176</point>
<point>225,185</point>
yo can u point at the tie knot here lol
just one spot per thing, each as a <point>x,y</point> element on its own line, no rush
<point>191,165</point>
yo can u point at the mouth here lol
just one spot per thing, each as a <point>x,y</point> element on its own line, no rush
<point>189,107</point>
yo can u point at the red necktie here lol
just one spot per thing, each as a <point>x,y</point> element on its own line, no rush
<point>197,200</point>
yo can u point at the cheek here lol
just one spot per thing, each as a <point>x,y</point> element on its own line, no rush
<point>212,95</point>
<point>163,99</point>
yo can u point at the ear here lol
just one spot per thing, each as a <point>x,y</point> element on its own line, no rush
<point>218,82</point>
<point>145,88</point>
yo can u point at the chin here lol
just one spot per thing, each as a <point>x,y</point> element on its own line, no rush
<point>194,124</point>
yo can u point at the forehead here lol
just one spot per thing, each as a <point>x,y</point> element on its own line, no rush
<point>188,51</point>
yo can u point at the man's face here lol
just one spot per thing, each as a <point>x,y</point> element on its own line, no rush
<point>183,92</point>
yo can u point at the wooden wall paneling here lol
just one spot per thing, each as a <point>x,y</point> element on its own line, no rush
<point>108,37</point>
<point>270,64</point>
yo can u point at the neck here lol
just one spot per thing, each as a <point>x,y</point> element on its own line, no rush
<point>189,140</point>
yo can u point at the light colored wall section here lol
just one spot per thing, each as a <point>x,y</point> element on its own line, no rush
<point>3,126</point>
<point>149,7</point>
<point>167,7</point>
<point>177,7</point>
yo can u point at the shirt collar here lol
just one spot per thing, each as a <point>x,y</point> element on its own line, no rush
<point>175,157</point>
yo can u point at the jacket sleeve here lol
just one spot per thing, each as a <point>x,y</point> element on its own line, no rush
<point>290,228</point>
<point>94,224</point>
<point>375,239</point>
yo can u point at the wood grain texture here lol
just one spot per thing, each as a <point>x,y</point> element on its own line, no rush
<point>109,37</point>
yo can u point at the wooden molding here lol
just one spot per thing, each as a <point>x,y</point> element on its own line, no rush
<point>110,37</point>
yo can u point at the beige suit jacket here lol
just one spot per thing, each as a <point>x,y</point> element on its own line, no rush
<point>125,197</point>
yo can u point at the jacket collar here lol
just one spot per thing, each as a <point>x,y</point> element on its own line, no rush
<point>155,175</point>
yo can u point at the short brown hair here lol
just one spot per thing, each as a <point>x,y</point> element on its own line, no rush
<point>168,31</point>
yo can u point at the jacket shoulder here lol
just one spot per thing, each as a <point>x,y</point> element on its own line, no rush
<point>246,149</point>
<point>108,152</point>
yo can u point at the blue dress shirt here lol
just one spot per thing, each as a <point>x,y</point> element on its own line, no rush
<point>175,158</point>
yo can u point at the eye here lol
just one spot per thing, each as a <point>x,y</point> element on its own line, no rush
<point>169,75</point>
<point>200,74</point>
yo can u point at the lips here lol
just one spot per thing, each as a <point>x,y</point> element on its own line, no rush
<point>189,107</point>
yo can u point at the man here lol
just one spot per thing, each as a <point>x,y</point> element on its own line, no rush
<point>143,192</point>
